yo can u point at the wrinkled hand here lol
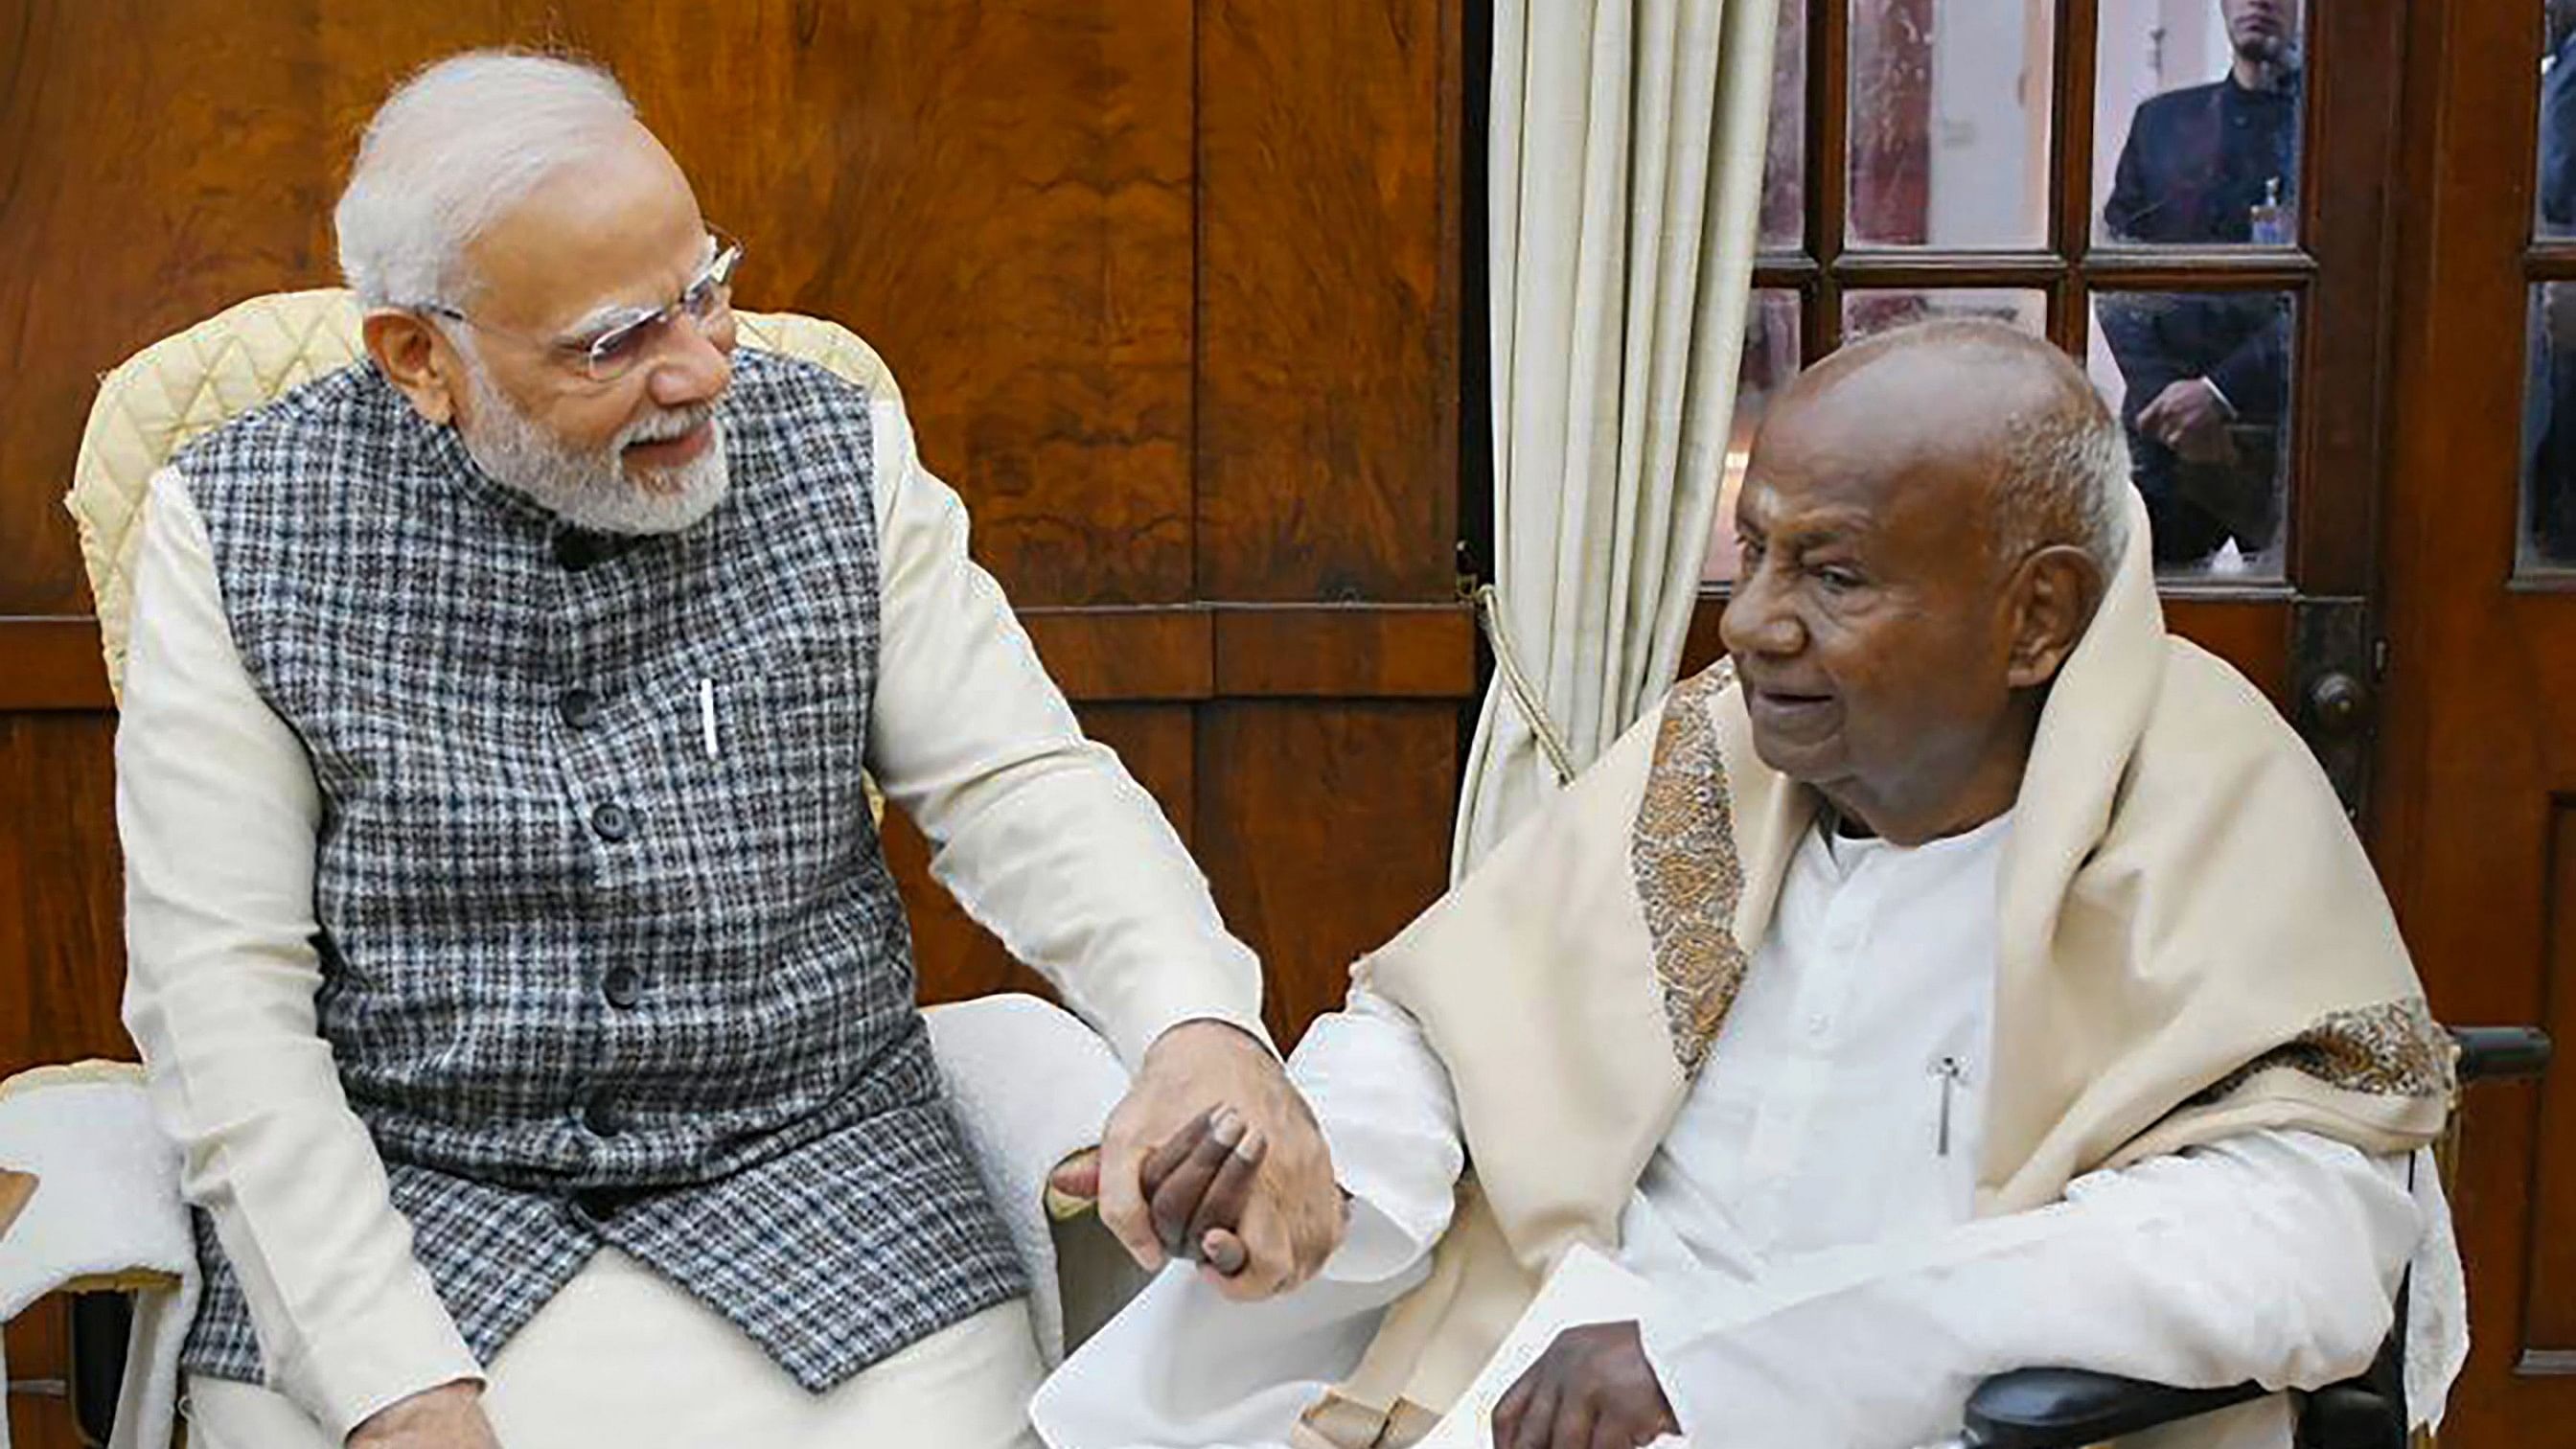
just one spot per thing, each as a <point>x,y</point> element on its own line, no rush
<point>1593,1387</point>
<point>447,1417</point>
<point>2189,418</point>
<point>1293,1219</point>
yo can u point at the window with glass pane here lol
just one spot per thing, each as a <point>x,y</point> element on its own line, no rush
<point>2166,251</point>
<point>2546,547</point>
<point>1770,361</point>
<point>1868,313</point>
<point>2202,383</point>
<point>2196,122</point>
<point>1949,122</point>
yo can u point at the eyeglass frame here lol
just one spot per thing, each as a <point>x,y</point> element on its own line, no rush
<point>707,295</point>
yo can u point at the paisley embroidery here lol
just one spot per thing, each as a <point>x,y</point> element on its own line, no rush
<point>1688,875</point>
<point>2393,1049</point>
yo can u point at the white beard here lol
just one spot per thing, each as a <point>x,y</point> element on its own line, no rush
<point>591,490</point>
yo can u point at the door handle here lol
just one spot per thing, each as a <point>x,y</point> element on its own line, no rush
<point>2338,705</point>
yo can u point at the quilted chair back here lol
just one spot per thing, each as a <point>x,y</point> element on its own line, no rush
<point>159,399</point>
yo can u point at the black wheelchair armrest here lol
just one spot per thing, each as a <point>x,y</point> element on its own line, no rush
<point>2051,1408</point>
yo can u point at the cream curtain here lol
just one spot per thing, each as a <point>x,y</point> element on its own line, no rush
<point>1627,145</point>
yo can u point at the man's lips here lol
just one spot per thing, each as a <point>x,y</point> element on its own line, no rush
<point>1788,708</point>
<point>675,450</point>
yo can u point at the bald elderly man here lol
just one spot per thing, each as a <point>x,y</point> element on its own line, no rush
<point>512,949</point>
<point>1962,976</point>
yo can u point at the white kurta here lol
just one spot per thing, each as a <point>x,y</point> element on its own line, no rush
<point>1039,832</point>
<point>1807,1222</point>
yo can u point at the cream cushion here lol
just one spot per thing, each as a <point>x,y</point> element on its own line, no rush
<point>159,399</point>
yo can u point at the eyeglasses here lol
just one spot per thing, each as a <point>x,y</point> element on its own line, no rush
<point>610,348</point>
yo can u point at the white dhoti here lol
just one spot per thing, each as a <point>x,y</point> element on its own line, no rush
<point>622,1356</point>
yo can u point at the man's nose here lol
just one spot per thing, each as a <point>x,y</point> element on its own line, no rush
<point>694,367</point>
<point>1757,619</point>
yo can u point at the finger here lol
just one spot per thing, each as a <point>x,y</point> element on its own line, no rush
<point>1226,1198</point>
<point>1122,1204</point>
<point>1078,1176</point>
<point>1577,1415</point>
<point>1223,1252</point>
<point>1538,1422</point>
<point>1267,1266</point>
<point>1175,1149</point>
<point>1513,1405</point>
<point>1612,1432</point>
<point>1178,1197</point>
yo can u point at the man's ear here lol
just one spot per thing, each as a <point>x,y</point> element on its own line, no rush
<point>2054,594</point>
<point>415,359</point>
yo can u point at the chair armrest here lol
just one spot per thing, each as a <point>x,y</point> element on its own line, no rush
<point>2491,1053</point>
<point>2053,1408</point>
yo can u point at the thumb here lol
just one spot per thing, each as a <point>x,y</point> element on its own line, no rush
<point>1078,1176</point>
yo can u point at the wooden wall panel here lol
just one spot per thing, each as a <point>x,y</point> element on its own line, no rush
<point>1327,435</point>
<point>39,1352</point>
<point>142,186</point>
<point>1325,828</point>
<point>62,949</point>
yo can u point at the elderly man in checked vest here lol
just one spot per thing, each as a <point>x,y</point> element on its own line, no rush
<point>513,951</point>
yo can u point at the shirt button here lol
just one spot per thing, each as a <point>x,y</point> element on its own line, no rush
<point>600,1117</point>
<point>612,822</point>
<point>623,986</point>
<point>578,707</point>
<point>1818,1024</point>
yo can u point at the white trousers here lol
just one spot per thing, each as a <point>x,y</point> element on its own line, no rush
<point>623,1357</point>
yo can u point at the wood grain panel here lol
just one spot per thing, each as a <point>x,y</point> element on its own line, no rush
<point>61,919</point>
<point>1104,654</point>
<point>996,196</point>
<point>1380,652</point>
<point>1325,828</point>
<point>159,159</point>
<point>1327,428</point>
<point>39,1348</point>
<point>2549,1292</point>
<point>958,958</point>
<point>51,664</point>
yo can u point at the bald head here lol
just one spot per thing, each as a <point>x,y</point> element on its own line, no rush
<point>1998,421</point>
<point>1927,524</point>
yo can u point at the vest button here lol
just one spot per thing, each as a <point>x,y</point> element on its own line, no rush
<point>623,986</point>
<point>612,822</point>
<point>579,708</point>
<point>600,1117</point>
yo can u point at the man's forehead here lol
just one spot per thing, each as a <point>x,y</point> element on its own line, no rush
<point>618,230</point>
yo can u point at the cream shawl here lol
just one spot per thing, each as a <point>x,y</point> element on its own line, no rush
<point>2192,945</point>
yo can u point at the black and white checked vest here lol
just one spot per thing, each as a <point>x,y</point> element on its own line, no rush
<point>587,981</point>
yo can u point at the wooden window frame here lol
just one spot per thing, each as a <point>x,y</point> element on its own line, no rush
<point>2336,275</point>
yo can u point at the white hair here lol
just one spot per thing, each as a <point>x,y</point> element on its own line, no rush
<point>450,151</point>
<point>2066,480</point>
<point>2062,459</point>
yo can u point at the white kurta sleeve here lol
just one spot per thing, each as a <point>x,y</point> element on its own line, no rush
<point>218,810</point>
<point>1389,1114</point>
<point>2272,1257</point>
<point>1039,833</point>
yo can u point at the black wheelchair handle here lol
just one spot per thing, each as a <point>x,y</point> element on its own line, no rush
<point>2499,1053</point>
